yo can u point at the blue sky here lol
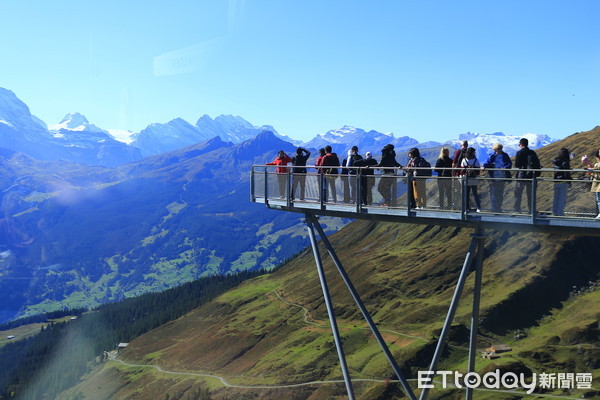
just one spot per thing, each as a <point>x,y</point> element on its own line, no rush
<point>427,69</point>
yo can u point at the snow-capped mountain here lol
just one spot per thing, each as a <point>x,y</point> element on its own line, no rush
<point>160,138</point>
<point>75,122</point>
<point>483,142</point>
<point>74,139</point>
<point>344,138</point>
<point>178,133</point>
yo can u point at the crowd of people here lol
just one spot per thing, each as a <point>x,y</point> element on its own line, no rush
<point>464,163</point>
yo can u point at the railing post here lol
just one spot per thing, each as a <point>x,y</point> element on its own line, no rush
<point>463,196</point>
<point>252,196</point>
<point>266,185</point>
<point>409,192</point>
<point>533,204</point>
<point>288,185</point>
<point>322,188</point>
<point>358,191</point>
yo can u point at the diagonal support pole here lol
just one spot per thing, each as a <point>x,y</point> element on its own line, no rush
<point>313,220</point>
<point>330,310</point>
<point>451,311</point>
<point>476,302</point>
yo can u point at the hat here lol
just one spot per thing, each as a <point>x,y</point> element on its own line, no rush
<point>368,155</point>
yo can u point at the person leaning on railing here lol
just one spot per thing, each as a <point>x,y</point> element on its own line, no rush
<point>594,169</point>
<point>281,161</point>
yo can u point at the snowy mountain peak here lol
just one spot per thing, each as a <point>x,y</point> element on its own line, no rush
<point>483,142</point>
<point>75,122</point>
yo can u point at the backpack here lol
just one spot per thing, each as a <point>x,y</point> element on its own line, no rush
<point>332,160</point>
<point>423,163</point>
<point>471,170</point>
<point>533,162</point>
<point>462,154</point>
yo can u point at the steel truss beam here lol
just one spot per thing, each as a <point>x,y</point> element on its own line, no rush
<point>476,245</point>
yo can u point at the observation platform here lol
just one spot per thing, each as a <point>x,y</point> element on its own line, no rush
<point>503,203</point>
<point>446,201</point>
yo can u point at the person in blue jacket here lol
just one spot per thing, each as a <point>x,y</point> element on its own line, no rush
<point>498,160</point>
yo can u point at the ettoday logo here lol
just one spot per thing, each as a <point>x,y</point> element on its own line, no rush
<point>508,380</point>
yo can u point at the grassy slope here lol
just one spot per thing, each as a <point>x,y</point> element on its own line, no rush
<point>259,333</point>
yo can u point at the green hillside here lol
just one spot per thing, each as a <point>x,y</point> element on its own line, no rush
<point>274,330</point>
<point>74,236</point>
<point>539,297</point>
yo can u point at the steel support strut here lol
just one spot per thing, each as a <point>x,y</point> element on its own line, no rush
<point>311,219</point>
<point>330,310</point>
<point>476,301</point>
<point>451,311</point>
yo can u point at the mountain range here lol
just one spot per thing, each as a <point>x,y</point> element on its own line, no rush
<point>87,219</point>
<point>540,299</point>
<point>76,139</point>
<point>76,235</point>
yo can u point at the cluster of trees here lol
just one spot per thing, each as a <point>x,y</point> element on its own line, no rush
<point>55,359</point>
<point>42,318</point>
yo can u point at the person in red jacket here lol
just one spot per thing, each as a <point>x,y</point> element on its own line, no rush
<point>331,160</point>
<point>281,161</point>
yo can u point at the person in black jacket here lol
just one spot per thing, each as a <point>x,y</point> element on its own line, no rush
<point>299,174</point>
<point>418,191</point>
<point>367,180</point>
<point>444,180</point>
<point>522,161</point>
<point>387,183</point>
<point>353,157</point>
<point>561,187</point>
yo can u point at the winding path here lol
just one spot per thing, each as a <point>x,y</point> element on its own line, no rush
<point>314,383</point>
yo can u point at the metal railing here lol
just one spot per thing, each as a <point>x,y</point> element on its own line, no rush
<point>413,190</point>
<point>421,193</point>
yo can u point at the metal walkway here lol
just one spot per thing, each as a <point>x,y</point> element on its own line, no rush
<point>539,198</point>
<point>567,207</point>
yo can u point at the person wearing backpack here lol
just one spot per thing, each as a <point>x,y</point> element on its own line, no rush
<point>459,155</point>
<point>331,159</point>
<point>525,159</point>
<point>419,187</point>
<point>471,167</point>
<point>562,164</point>
<point>498,160</point>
